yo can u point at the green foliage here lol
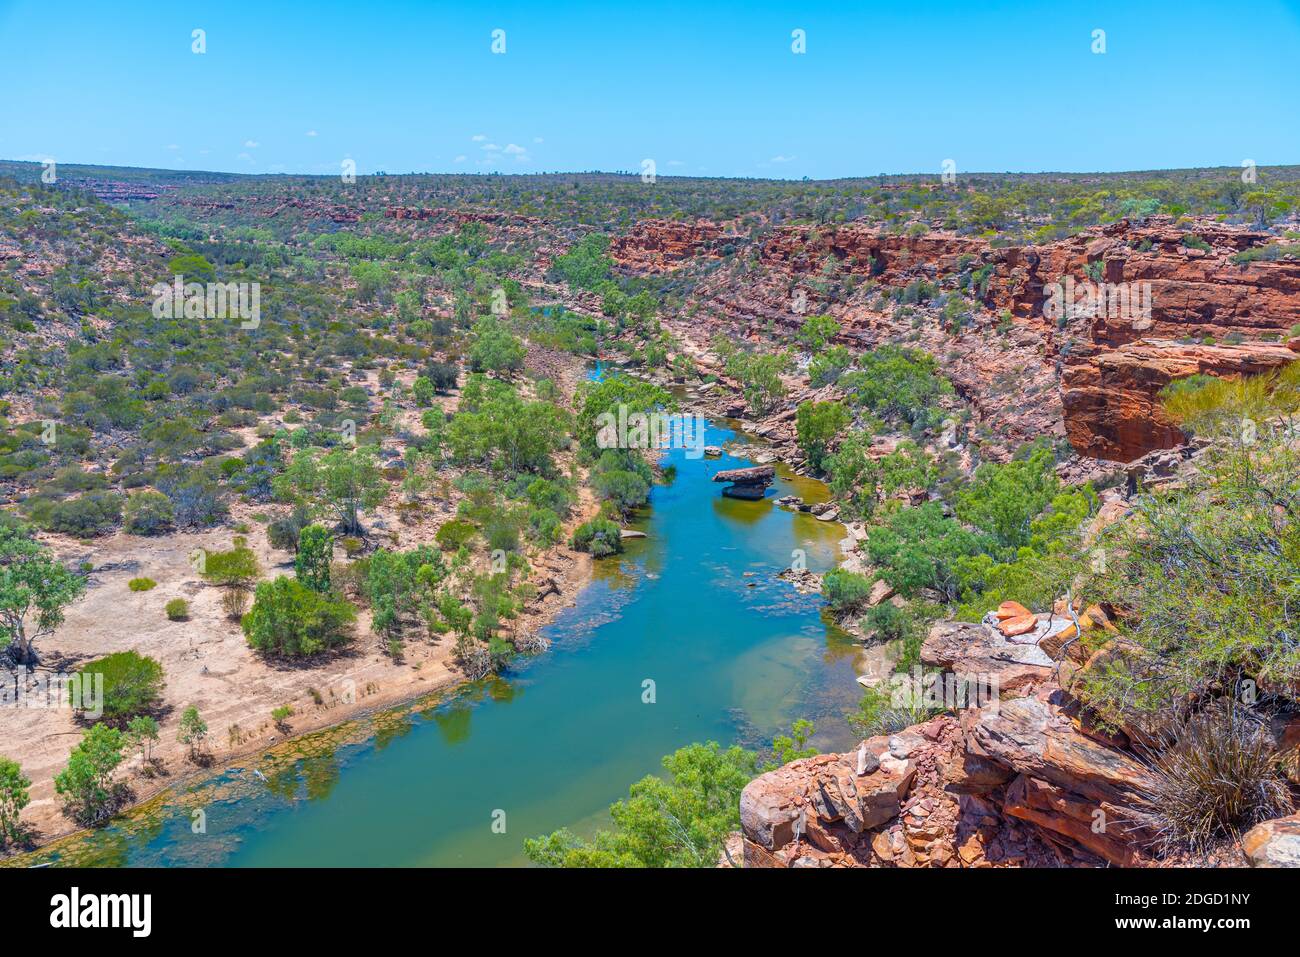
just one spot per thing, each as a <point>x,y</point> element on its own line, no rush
<point>1002,500</point>
<point>34,590</point>
<point>341,483</point>
<point>148,513</point>
<point>133,684</point>
<point>845,591</point>
<point>586,265</point>
<point>192,730</point>
<point>793,746</point>
<point>1208,574</point>
<point>312,563</point>
<point>897,384</point>
<point>290,620</point>
<point>828,366</point>
<point>14,796</point>
<point>916,549</point>
<point>142,735</point>
<point>236,568</point>
<point>87,516</point>
<point>494,349</point>
<point>599,405</point>
<point>141,584</point>
<point>679,821</point>
<point>817,424</point>
<point>86,785</point>
<point>422,391</point>
<point>599,536</point>
<point>454,534</point>
<point>759,374</point>
<point>854,476</point>
<point>498,430</point>
<point>621,478</point>
<point>816,331</point>
<point>402,586</point>
<point>178,609</point>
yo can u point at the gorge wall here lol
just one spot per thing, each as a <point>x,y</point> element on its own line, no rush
<point>1090,369</point>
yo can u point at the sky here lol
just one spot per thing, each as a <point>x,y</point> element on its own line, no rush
<point>700,89</point>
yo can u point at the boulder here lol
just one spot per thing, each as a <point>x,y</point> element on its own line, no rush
<point>1274,843</point>
<point>980,650</point>
<point>824,799</point>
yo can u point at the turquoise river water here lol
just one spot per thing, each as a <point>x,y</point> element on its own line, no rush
<point>735,655</point>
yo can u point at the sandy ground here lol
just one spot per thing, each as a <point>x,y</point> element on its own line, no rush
<point>207,662</point>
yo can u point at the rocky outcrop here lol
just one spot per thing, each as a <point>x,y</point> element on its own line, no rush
<point>1142,303</point>
<point>1015,781</point>
<point>867,251</point>
<point>1110,397</point>
<point>748,483</point>
<point>662,245</point>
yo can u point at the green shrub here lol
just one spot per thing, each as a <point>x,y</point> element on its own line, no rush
<point>312,563</point>
<point>178,609</point>
<point>92,514</point>
<point>455,533</point>
<point>236,568</point>
<point>148,513</point>
<point>600,537</point>
<point>290,620</point>
<point>141,584</point>
<point>132,684</point>
<point>845,591</point>
<point>86,785</point>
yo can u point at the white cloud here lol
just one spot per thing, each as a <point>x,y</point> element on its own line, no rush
<point>460,159</point>
<point>491,147</point>
<point>478,137</point>
<point>311,132</point>
<point>782,159</point>
<point>538,139</point>
<point>251,144</point>
<point>514,149</point>
<point>172,146</point>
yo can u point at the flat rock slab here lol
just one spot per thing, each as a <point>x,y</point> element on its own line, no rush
<point>754,475</point>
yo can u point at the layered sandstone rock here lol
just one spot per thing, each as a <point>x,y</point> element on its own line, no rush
<point>1140,303</point>
<point>1016,781</point>
<point>867,250</point>
<point>662,245</point>
<point>1110,397</point>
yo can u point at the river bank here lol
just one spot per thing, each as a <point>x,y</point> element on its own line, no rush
<point>696,608</point>
<point>207,661</point>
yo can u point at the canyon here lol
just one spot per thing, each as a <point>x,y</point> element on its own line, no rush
<point>1090,375</point>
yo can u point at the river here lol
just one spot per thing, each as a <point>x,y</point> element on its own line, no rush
<point>734,655</point>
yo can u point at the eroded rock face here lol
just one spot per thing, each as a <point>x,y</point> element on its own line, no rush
<point>1016,781</point>
<point>1110,397</point>
<point>867,250</point>
<point>1091,376</point>
<point>822,802</point>
<point>662,245</point>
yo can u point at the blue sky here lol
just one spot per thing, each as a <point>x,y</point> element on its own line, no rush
<point>709,89</point>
